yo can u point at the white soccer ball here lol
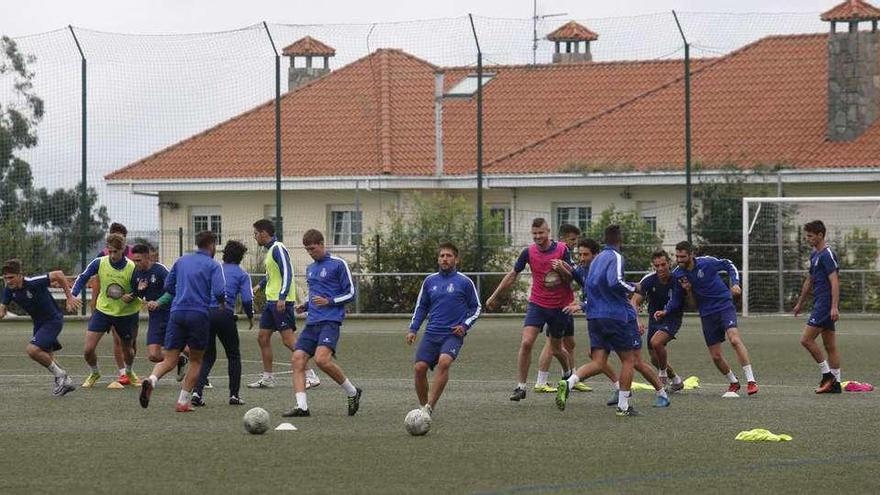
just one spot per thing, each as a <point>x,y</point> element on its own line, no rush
<point>256,421</point>
<point>417,422</point>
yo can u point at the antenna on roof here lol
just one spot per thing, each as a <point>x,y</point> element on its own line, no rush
<point>535,18</point>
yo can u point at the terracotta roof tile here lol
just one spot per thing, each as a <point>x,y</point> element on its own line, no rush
<point>308,46</point>
<point>572,31</point>
<point>852,10</point>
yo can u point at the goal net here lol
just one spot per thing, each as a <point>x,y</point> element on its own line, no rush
<point>775,254</point>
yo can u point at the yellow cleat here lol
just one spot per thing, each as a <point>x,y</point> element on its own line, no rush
<point>91,380</point>
<point>135,381</point>
<point>544,389</point>
<point>581,387</point>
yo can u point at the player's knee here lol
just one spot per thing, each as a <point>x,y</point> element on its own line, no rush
<point>444,362</point>
<point>420,368</point>
<point>32,350</point>
<point>323,360</point>
<point>806,342</point>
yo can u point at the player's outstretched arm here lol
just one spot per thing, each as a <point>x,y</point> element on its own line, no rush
<point>506,282</point>
<point>802,298</point>
<point>57,277</point>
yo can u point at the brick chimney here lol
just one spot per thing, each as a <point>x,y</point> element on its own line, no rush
<point>307,48</point>
<point>853,70</point>
<point>575,39</point>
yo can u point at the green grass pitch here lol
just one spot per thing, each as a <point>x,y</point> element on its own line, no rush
<point>101,441</point>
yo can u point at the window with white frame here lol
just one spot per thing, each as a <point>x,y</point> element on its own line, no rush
<point>648,212</point>
<point>578,214</point>
<point>345,225</point>
<point>207,218</point>
<point>502,213</point>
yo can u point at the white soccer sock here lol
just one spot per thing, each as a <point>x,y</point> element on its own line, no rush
<point>94,368</point>
<point>662,393</point>
<point>311,375</point>
<point>750,375</point>
<point>55,369</point>
<point>121,371</point>
<point>573,380</point>
<point>301,401</point>
<point>616,385</point>
<point>268,374</point>
<point>731,377</point>
<point>677,379</point>
<point>836,373</point>
<point>824,368</point>
<point>185,397</point>
<point>349,388</point>
<point>567,373</point>
<point>521,385</point>
<point>154,380</point>
<point>542,377</point>
<point>623,400</point>
<point>662,373</point>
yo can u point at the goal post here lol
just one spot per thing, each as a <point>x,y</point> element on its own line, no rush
<point>775,255</point>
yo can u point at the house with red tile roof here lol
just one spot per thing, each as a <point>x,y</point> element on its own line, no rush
<point>563,140</point>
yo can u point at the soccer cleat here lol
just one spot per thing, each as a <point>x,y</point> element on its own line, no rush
<point>835,387</point>
<point>427,409</point>
<point>629,412</point>
<point>181,367</point>
<point>612,401</point>
<point>354,402</point>
<point>752,388</point>
<point>544,389</point>
<point>297,413</point>
<point>518,394</point>
<point>132,378</point>
<point>123,379</point>
<point>312,382</point>
<point>183,407</point>
<point>661,401</point>
<point>734,387</point>
<point>263,382</point>
<point>562,392</point>
<point>197,401</point>
<point>235,401</point>
<point>675,387</point>
<point>208,384</point>
<point>91,380</point>
<point>826,383</point>
<point>581,387</point>
<point>146,392</point>
<point>63,386</point>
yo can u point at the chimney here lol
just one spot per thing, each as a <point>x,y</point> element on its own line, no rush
<point>438,123</point>
<point>308,49</point>
<point>575,39</point>
<point>853,71</point>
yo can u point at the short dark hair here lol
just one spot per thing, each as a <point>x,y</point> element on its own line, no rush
<point>140,249</point>
<point>12,266</point>
<point>264,225</point>
<point>233,252</point>
<point>448,246</point>
<point>613,235</point>
<point>312,237</point>
<point>590,244</point>
<point>538,223</point>
<point>815,227</point>
<point>568,228</point>
<point>118,228</point>
<point>660,253</point>
<point>685,246</point>
<point>205,239</point>
<point>116,241</point>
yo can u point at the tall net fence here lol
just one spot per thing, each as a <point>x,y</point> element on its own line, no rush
<point>178,133</point>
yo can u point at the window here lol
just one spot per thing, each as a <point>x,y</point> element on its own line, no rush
<point>468,85</point>
<point>346,225</point>
<point>502,212</point>
<point>648,211</point>
<point>207,218</point>
<point>578,214</point>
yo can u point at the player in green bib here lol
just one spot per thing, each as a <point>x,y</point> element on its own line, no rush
<point>116,307</point>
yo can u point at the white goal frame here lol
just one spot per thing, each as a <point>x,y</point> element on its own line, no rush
<point>748,224</point>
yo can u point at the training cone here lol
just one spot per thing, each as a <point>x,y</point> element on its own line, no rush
<point>730,395</point>
<point>115,385</point>
<point>285,427</point>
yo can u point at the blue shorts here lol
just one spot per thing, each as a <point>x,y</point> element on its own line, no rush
<point>715,326</point>
<point>187,328</point>
<point>322,333</point>
<point>821,318</point>
<point>126,326</point>
<point>616,335</point>
<point>156,331</point>
<point>558,323</point>
<point>432,345</point>
<point>668,325</point>
<point>46,334</point>
<point>275,321</point>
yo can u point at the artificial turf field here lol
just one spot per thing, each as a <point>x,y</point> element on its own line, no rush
<point>101,441</point>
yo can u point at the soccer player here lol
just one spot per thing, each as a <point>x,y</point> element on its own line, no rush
<point>612,325</point>
<point>701,276</point>
<point>149,283</point>
<point>194,282</point>
<point>825,284</point>
<point>330,289</point>
<point>279,313</point>
<point>657,288</point>
<point>451,304</point>
<point>224,327</point>
<point>116,308</point>
<point>568,234</point>
<point>551,292</point>
<point>32,295</point>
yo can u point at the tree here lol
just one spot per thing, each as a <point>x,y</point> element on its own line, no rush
<point>859,250</point>
<point>639,241</point>
<point>41,227</point>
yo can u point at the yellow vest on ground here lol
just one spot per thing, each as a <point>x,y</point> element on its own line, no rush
<point>114,284</point>
<point>275,276</point>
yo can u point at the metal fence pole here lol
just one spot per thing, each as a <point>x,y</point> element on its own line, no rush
<point>687,130</point>
<point>479,147</point>
<point>179,242</point>
<point>83,197</point>
<point>779,251</point>
<point>864,294</point>
<point>279,220</point>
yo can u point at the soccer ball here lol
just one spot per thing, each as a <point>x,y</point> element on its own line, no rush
<point>115,291</point>
<point>417,422</point>
<point>256,421</point>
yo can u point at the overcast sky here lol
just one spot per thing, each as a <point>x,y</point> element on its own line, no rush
<point>184,16</point>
